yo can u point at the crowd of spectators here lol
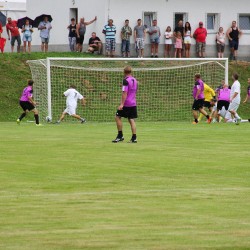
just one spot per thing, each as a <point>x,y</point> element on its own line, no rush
<point>177,42</point>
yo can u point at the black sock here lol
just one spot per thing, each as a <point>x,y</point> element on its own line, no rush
<point>120,134</point>
<point>207,116</point>
<point>22,116</point>
<point>196,120</point>
<point>134,137</point>
<point>249,120</point>
<point>37,119</point>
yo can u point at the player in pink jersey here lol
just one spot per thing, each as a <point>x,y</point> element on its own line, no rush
<point>247,99</point>
<point>27,103</point>
<point>127,107</point>
<point>198,94</point>
<point>223,99</point>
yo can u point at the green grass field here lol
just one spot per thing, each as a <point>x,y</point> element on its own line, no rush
<point>180,187</point>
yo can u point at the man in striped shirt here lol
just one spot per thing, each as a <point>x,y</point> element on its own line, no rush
<point>109,31</point>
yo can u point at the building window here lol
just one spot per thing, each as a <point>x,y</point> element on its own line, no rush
<point>244,21</point>
<point>178,17</point>
<point>212,22</point>
<point>148,18</point>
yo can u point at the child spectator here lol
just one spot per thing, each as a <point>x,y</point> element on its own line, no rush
<point>178,45</point>
<point>168,41</point>
<point>72,35</point>
<point>220,42</point>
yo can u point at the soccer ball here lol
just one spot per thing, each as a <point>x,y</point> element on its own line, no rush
<point>48,119</point>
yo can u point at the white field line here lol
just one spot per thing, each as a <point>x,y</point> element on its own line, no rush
<point>126,192</point>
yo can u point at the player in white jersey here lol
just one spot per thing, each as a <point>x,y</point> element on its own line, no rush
<point>235,98</point>
<point>72,96</point>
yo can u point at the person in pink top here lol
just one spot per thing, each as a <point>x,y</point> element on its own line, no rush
<point>223,98</point>
<point>200,35</point>
<point>128,106</point>
<point>198,94</point>
<point>178,45</point>
<point>28,104</point>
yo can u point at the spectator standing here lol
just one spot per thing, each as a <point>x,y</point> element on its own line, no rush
<point>181,29</point>
<point>45,27</point>
<point>95,44</point>
<point>200,35</point>
<point>168,42</point>
<point>110,31</point>
<point>178,45</point>
<point>72,35</point>
<point>12,29</point>
<point>2,40</point>
<point>220,42</point>
<point>234,34</point>
<point>155,34</point>
<point>139,36</point>
<point>126,33</point>
<point>80,31</point>
<point>27,31</point>
<point>187,39</point>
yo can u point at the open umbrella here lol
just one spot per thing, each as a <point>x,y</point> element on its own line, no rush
<point>40,18</point>
<point>21,22</point>
<point>3,19</point>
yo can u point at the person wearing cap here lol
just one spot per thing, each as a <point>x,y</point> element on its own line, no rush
<point>200,35</point>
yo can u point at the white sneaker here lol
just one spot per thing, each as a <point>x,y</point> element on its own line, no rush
<point>238,120</point>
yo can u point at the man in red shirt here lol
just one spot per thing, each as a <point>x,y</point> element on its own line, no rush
<point>200,36</point>
<point>11,28</point>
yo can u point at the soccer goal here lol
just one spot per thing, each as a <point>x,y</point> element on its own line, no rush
<point>165,85</point>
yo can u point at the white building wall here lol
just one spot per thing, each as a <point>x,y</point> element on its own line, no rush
<point>60,12</point>
<point>15,10</point>
<point>119,10</point>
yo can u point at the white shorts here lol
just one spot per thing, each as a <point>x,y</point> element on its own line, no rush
<point>233,106</point>
<point>187,40</point>
<point>71,110</point>
<point>168,41</point>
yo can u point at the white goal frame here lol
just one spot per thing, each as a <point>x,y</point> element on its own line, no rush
<point>49,62</point>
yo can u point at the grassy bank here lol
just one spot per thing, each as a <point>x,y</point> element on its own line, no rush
<point>15,72</point>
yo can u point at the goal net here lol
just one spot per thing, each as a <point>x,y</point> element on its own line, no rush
<point>164,94</point>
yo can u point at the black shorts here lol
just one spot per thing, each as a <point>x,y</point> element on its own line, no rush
<point>80,40</point>
<point>207,104</point>
<point>26,106</point>
<point>127,112</point>
<point>198,104</point>
<point>221,104</point>
<point>234,44</point>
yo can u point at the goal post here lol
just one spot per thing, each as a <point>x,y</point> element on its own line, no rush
<point>165,85</point>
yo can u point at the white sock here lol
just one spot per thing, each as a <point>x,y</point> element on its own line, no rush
<point>237,116</point>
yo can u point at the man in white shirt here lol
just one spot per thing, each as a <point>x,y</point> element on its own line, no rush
<point>72,96</point>
<point>235,98</point>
